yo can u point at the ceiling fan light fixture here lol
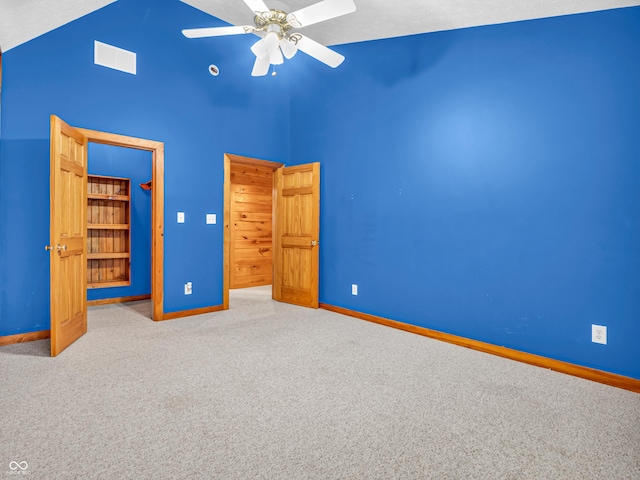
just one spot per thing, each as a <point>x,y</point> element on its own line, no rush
<point>288,48</point>
<point>275,58</point>
<point>271,41</point>
<point>259,48</point>
<point>274,28</point>
<point>266,45</point>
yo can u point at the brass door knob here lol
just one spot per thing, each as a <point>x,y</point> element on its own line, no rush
<point>61,248</point>
<point>48,247</point>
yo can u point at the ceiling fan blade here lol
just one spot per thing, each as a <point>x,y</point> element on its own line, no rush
<point>319,52</point>
<point>319,12</point>
<point>216,31</point>
<point>261,67</point>
<point>257,5</point>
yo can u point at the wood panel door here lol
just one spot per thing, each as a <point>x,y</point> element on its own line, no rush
<point>68,226</point>
<point>297,225</point>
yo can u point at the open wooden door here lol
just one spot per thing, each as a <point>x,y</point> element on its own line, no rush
<point>68,228</point>
<point>297,228</point>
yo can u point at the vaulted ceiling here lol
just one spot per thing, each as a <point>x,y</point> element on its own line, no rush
<point>22,20</point>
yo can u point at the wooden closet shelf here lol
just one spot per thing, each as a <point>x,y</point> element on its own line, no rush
<point>124,283</point>
<point>108,232</point>
<point>106,196</point>
<point>103,256</point>
<point>108,226</point>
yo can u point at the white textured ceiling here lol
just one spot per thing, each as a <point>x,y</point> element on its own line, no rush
<point>393,18</point>
<point>22,20</point>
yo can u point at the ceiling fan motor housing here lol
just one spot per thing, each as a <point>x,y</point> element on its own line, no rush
<point>273,21</point>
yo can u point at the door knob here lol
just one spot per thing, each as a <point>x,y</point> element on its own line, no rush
<point>48,247</point>
<point>313,243</point>
<point>61,248</point>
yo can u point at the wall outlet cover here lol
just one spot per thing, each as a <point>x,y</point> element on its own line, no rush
<point>599,334</point>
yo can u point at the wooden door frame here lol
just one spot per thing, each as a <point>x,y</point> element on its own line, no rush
<point>230,158</point>
<point>157,206</point>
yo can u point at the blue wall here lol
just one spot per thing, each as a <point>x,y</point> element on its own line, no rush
<point>486,182</point>
<point>482,182</point>
<point>136,166</point>
<point>172,99</point>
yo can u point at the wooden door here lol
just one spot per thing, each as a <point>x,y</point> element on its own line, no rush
<point>68,228</point>
<point>297,226</point>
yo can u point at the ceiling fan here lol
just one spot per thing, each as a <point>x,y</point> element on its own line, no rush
<point>278,42</point>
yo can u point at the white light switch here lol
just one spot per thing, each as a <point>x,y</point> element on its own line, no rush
<point>211,218</point>
<point>180,217</point>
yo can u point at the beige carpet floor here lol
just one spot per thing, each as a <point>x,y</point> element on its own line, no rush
<point>273,391</point>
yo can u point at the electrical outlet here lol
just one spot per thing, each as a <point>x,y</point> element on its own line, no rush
<point>188,288</point>
<point>354,289</point>
<point>599,334</point>
<point>180,217</point>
